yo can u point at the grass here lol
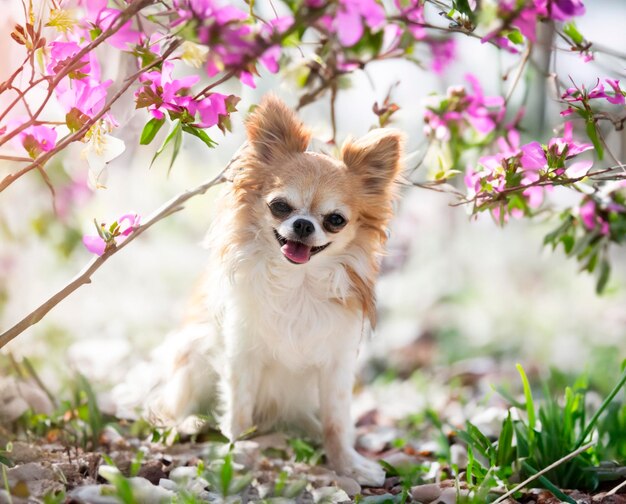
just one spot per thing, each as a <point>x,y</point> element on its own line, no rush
<point>547,433</point>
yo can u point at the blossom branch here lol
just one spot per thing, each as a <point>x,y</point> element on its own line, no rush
<point>75,62</point>
<point>174,205</point>
<point>9,179</point>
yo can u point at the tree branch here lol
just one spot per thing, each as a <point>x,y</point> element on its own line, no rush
<point>84,277</point>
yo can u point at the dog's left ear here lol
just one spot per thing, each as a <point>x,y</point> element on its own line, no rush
<point>376,158</point>
<point>274,130</point>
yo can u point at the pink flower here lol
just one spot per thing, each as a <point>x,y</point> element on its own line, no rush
<point>567,141</point>
<point>477,113</point>
<point>161,92</point>
<point>350,17</point>
<point>247,79</point>
<point>87,95</point>
<point>270,58</point>
<point>115,234</point>
<point>533,156</point>
<point>618,97</point>
<point>94,244</point>
<point>34,139</point>
<point>444,52</point>
<point>61,53</point>
<point>563,10</point>
<point>210,109</point>
<point>587,213</point>
<point>413,11</point>
<point>98,14</point>
<point>132,221</point>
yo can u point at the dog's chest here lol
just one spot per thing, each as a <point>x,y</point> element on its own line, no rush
<point>299,319</point>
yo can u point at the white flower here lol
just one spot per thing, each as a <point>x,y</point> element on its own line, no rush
<point>194,54</point>
<point>100,149</point>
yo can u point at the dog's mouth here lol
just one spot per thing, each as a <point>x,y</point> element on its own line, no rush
<point>295,251</point>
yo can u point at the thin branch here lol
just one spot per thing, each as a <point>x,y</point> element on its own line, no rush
<point>84,277</point>
<point>575,453</point>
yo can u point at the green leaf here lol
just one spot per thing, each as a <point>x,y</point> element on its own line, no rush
<point>549,485</point>
<point>201,134</point>
<point>505,443</point>
<point>592,133</point>
<point>6,461</point>
<point>175,132</point>
<point>516,37</point>
<point>530,406</point>
<point>603,278</point>
<point>226,474</point>
<point>150,130</point>
<point>572,32</point>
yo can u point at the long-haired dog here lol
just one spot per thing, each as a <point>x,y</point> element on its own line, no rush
<point>289,291</point>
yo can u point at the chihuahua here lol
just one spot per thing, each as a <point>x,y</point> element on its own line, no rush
<point>289,292</point>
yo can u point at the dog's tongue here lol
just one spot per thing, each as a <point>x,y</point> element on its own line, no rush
<point>296,251</point>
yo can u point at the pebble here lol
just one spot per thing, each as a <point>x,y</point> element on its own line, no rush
<point>183,474</point>
<point>330,495</point>
<point>348,485</point>
<point>246,453</point>
<point>24,452</point>
<point>376,440</point>
<point>426,493</point>
<point>458,455</point>
<point>92,494</point>
<point>146,492</point>
<point>401,459</point>
<point>450,495</point>
<point>152,471</point>
<point>28,473</point>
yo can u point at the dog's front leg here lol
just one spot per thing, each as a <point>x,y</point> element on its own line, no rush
<point>336,381</point>
<point>240,375</point>
<point>239,389</point>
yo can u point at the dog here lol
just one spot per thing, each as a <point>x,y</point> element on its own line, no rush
<point>288,295</point>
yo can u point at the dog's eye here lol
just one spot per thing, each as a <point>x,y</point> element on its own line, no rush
<point>334,222</point>
<point>280,208</point>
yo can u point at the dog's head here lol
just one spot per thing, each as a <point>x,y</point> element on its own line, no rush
<point>308,205</point>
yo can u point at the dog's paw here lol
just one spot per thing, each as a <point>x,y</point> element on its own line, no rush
<point>366,472</point>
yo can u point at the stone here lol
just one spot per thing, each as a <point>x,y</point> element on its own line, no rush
<point>458,455</point>
<point>29,472</point>
<point>330,495</point>
<point>348,485</point>
<point>92,494</point>
<point>450,495</point>
<point>146,492</point>
<point>246,453</point>
<point>376,440</point>
<point>22,453</point>
<point>168,484</point>
<point>152,471</point>
<point>183,474</point>
<point>426,493</point>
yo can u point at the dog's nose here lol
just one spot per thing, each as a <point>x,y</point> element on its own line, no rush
<point>303,228</point>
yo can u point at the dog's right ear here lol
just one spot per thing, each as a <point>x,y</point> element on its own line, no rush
<point>274,130</point>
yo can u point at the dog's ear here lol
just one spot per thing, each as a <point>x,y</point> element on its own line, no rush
<point>376,158</point>
<point>274,130</point>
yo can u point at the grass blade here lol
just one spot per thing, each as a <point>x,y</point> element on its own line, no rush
<point>603,406</point>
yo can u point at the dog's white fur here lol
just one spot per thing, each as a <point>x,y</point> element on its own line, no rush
<point>280,340</point>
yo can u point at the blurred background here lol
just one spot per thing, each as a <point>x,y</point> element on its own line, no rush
<point>457,298</point>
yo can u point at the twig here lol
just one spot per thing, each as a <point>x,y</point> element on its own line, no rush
<point>616,489</point>
<point>518,74</point>
<point>575,453</point>
<point>84,277</point>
